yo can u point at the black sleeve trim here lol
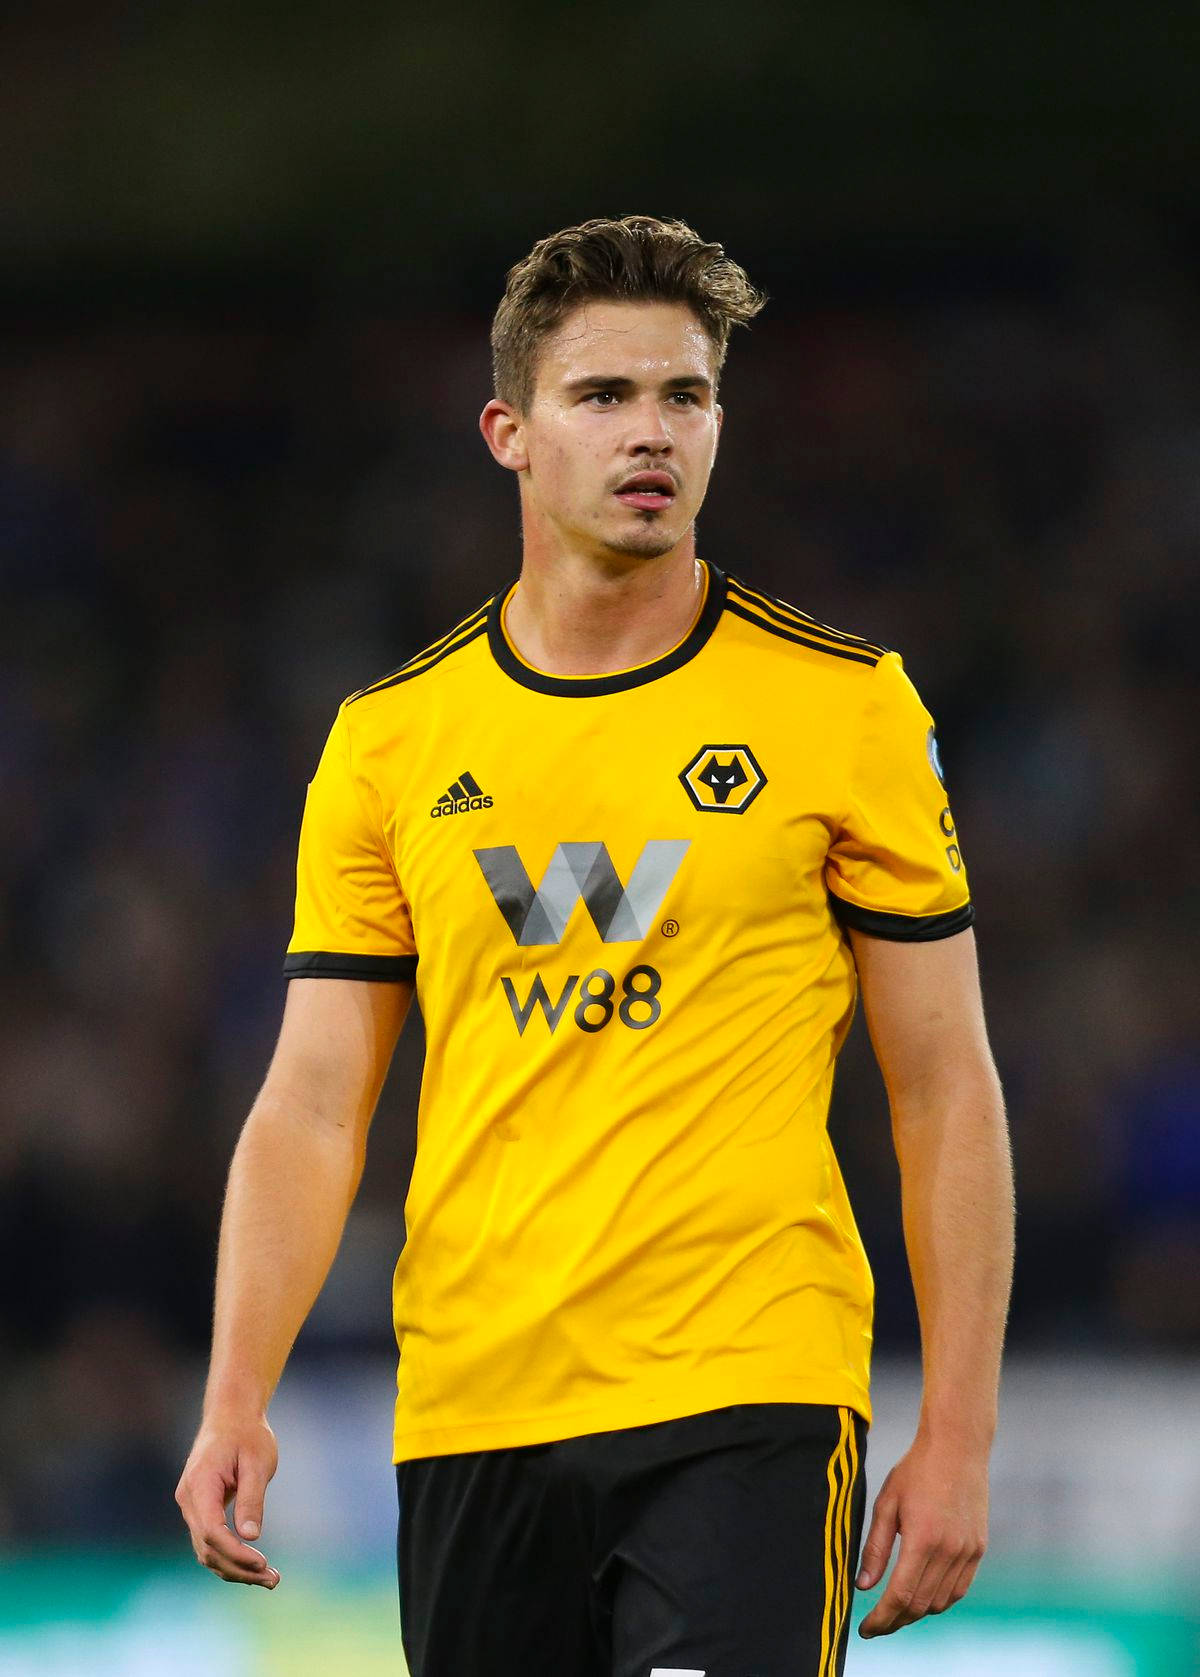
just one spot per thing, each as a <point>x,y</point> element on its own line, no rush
<point>317,964</point>
<point>902,928</point>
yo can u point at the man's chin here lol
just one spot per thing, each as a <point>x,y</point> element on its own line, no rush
<point>649,541</point>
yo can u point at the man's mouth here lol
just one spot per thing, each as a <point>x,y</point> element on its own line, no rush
<point>647,491</point>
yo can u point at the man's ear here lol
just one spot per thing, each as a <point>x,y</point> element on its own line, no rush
<point>504,433</point>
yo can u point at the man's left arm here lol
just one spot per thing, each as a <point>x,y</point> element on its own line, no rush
<point>923,1009</point>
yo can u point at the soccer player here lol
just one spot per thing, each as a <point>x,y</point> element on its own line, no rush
<point>636,833</point>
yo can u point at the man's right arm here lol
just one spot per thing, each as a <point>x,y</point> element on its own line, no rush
<point>294,1175</point>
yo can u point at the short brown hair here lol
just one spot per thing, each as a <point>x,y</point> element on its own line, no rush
<point>631,258</point>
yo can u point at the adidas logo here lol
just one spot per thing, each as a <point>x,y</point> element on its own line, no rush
<point>466,793</point>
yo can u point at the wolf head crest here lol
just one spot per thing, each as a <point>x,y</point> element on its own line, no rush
<point>723,778</point>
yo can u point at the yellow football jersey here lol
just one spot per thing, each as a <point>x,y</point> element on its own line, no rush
<point>622,898</point>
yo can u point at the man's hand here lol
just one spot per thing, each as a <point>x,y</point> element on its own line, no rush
<point>229,1460</point>
<point>936,1500</point>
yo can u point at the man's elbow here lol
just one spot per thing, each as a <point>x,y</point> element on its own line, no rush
<point>964,1096</point>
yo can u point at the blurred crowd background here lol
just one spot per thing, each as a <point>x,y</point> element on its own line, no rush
<point>240,477</point>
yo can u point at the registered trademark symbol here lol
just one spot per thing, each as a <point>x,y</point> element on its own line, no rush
<point>670,928</point>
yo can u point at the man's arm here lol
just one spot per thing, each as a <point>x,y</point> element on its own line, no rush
<point>925,1016</point>
<point>294,1175</point>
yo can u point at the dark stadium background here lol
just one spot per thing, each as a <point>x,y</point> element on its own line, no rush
<point>248,260</point>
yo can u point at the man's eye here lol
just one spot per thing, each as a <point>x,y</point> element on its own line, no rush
<point>686,398</point>
<point>604,397</point>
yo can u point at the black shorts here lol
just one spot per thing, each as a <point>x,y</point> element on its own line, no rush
<point>720,1545</point>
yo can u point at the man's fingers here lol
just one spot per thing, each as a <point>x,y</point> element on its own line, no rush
<point>202,1496</point>
<point>947,1572</point>
<point>234,1573</point>
<point>251,1493</point>
<point>946,1576</point>
<point>933,1584</point>
<point>877,1550</point>
<point>888,1612</point>
<point>219,1543</point>
<point>937,1501</point>
<point>913,1587</point>
<point>222,1553</point>
<point>958,1581</point>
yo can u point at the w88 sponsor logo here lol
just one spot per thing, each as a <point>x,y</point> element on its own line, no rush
<point>596,1001</point>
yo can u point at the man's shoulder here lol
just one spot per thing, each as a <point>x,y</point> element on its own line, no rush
<point>771,624</point>
<point>462,641</point>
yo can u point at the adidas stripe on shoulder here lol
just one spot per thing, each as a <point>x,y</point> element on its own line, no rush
<point>461,635</point>
<point>789,623</point>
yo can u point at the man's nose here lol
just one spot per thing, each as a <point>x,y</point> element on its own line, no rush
<point>649,432</point>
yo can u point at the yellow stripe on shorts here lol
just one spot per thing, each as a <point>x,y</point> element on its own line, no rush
<point>838,1477</point>
<point>848,1558</point>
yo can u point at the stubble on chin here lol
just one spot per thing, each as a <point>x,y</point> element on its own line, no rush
<point>650,540</point>
<point>653,548</point>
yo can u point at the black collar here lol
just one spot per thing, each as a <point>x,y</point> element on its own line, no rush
<point>591,686</point>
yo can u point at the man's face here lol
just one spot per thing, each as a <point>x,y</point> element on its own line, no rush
<point>622,427</point>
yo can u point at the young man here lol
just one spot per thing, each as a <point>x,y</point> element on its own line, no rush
<point>636,832</point>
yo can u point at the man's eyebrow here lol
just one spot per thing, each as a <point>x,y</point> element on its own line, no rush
<point>604,381</point>
<point>599,381</point>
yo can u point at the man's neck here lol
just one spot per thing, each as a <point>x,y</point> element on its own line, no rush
<point>577,616</point>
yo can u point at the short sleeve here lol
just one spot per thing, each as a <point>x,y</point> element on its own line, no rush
<point>895,869</point>
<point>352,920</point>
